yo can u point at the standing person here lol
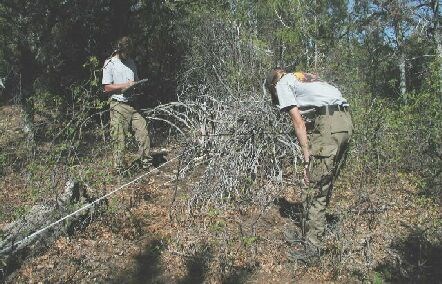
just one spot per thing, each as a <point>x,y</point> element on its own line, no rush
<point>119,73</point>
<point>323,148</point>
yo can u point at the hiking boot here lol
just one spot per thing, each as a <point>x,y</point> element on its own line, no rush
<point>309,254</point>
<point>293,236</point>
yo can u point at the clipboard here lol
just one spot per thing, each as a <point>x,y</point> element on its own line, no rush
<point>134,90</point>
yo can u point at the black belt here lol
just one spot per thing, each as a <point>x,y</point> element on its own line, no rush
<point>331,109</point>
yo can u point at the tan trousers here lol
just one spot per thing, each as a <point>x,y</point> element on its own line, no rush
<point>328,146</point>
<point>122,117</point>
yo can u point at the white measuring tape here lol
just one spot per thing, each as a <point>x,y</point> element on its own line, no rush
<point>36,233</point>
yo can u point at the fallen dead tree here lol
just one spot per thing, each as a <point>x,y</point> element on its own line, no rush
<point>240,153</point>
<point>41,226</point>
<point>244,144</point>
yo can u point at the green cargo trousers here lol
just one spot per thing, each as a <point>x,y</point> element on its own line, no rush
<point>328,143</point>
<point>122,116</point>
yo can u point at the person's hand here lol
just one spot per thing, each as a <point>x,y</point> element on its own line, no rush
<point>128,84</point>
<point>306,173</point>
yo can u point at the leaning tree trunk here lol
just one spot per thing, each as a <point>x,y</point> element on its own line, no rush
<point>41,226</point>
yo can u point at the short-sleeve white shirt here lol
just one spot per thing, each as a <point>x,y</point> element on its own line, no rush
<point>116,71</point>
<point>292,92</point>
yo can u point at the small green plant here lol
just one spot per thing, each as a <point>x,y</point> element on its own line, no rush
<point>249,240</point>
<point>113,205</point>
<point>20,211</point>
<point>377,278</point>
<point>213,212</point>
<point>217,227</point>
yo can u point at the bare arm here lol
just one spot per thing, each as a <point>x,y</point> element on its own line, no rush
<point>300,130</point>
<point>112,88</point>
<point>301,134</point>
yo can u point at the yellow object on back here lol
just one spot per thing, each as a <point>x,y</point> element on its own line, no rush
<point>300,76</point>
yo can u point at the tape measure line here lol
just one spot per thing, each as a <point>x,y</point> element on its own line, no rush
<point>36,233</point>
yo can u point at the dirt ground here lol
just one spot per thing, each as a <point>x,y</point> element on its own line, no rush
<point>131,246</point>
<point>143,238</point>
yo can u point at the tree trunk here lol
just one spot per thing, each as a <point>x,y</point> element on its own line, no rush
<point>27,114</point>
<point>26,82</point>
<point>315,41</point>
<point>402,72</point>
<point>438,39</point>
<point>401,50</point>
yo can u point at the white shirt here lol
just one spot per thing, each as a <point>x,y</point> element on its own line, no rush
<point>116,71</point>
<point>292,92</point>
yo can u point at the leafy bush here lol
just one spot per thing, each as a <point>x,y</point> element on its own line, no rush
<point>414,144</point>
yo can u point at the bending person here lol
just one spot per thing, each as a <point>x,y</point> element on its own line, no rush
<point>323,148</point>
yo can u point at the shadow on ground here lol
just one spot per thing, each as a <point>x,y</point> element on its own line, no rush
<point>197,267</point>
<point>416,260</point>
<point>150,269</point>
<point>239,276</point>
<point>148,266</point>
<point>292,210</point>
<point>158,159</point>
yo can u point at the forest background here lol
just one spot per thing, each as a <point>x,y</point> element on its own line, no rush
<point>206,62</point>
